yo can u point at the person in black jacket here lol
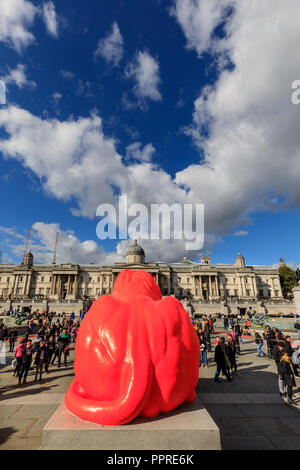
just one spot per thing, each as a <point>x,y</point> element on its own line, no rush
<point>40,359</point>
<point>287,375</point>
<point>26,362</point>
<point>221,358</point>
<point>288,348</point>
<point>276,355</point>
<point>232,353</point>
<point>50,353</point>
<point>13,334</point>
<point>270,338</point>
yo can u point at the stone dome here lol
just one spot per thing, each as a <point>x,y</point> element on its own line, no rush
<point>135,254</point>
<point>240,261</point>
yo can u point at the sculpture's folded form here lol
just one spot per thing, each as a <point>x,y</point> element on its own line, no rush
<point>136,354</point>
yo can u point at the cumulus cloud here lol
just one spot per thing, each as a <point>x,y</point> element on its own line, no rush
<point>18,77</point>
<point>245,124</point>
<point>72,158</point>
<point>198,20</point>
<point>16,19</point>
<point>137,152</point>
<point>110,48</point>
<point>144,71</point>
<point>50,18</point>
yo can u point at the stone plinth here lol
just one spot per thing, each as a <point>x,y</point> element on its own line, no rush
<point>188,427</point>
<point>296,293</point>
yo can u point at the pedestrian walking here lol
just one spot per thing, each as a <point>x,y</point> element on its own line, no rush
<point>289,350</point>
<point>13,334</point>
<point>203,351</point>
<point>225,323</point>
<point>276,355</point>
<point>232,353</point>
<point>270,338</point>
<point>39,361</point>
<point>27,354</point>
<point>50,351</point>
<point>18,355</point>
<point>259,341</point>
<point>222,361</point>
<point>63,346</point>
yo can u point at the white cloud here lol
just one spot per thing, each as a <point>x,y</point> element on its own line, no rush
<point>252,156</point>
<point>137,152</point>
<point>18,77</point>
<point>72,158</point>
<point>240,233</point>
<point>2,92</point>
<point>16,18</point>
<point>144,70</point>
<point>50,18</point>
<point>111,47</point>
<point>198,19</point>
<point>66,74</point>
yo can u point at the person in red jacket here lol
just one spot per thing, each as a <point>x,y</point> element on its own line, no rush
<point>18,355</point>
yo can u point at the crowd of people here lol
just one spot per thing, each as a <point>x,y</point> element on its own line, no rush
<point>51,345</point>
<point>228,345</point>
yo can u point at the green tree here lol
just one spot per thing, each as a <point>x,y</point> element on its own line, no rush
<point>287,279</point>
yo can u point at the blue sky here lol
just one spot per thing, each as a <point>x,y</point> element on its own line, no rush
<point>162,101</point>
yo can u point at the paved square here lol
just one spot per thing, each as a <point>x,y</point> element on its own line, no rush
<point>249,410</point>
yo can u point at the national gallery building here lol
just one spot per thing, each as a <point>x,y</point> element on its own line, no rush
<point>211,288</point>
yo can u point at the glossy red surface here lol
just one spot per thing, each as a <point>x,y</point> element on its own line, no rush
<point>136,354</point>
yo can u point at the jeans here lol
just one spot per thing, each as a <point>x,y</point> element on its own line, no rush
<point>203,357</point>
<point>259,350</point>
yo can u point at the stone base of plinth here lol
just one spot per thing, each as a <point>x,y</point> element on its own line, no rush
<point>188,427</point>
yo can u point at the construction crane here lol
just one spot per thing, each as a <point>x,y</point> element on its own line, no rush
<point>27,243</point>
<point>55,249</point>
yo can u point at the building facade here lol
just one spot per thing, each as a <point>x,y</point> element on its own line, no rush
<point>203,284</point>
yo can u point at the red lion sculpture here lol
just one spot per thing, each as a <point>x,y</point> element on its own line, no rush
<point>136,354</point>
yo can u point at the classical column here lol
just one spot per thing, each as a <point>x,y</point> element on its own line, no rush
<point>241,294</point>
<point>254,286</point>
<point>101,284</point>
<point>200,286</point>
<point>194,285</point>
<point>169,284</point>
<point>272,287</point>
<point>210,290</point>
<point>217,286</point>
<point>75,286</point>
<point>69,282</point>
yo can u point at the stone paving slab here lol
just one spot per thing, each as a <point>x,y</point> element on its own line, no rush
<point>24,443</point>
<point>246,443</point>
<point>223,398</point>
<point>255,427</point>
<point>39,397</point>
<point>17,426</point>
<point>264,398</point>
<point>221,411</point>
<point>268,411</point>
<point>6,411</point>
<point>285,442</point>
<point>293,423</point>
